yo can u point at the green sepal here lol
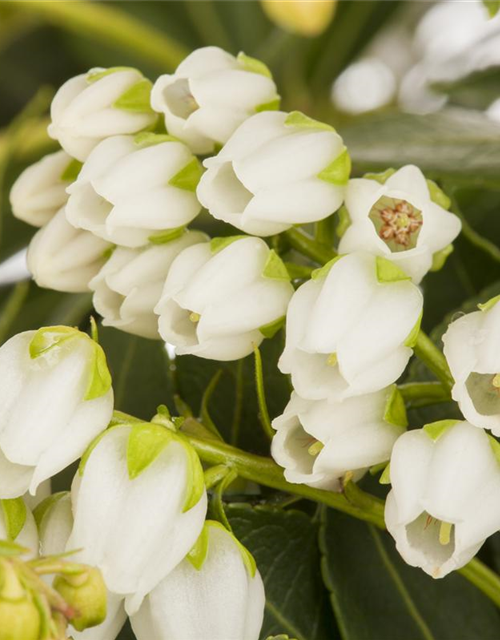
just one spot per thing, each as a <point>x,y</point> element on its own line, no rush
<point>145,443</point>
<point>275,268</point>
<point>486,306</point>
<point>381,177</point>
<point>48,338</point>
<point>377,468</point>
<point>270,329</point>
<point>94,74</point>
<point>338,171</point>
<point>195,475</point>
<point>411,338</point>
<point>188,177</point>
<point>301,121</point>
<point>395,410</point>
<point>344,221</point>
<point>218,244</point>
<point>272,105</point>
<point>70,173</point>
<point>9,549</point>
<point>282,636</point>
<point>136,98</point>
<point>493,7</point>
<point>163,237</point>
<point>388,271</point>
<point>440,257</point>
<point>148,138</point>
<point>495,447</point>
<point>46,505</point>
<point>14,513</point>
<point>323,271</point>
<point>385,478</point>
<point>437,195</point>
<point>199,551</point>
<point>100,377</point>
<point>436,429</point>
<point>253,65</point>
<point>107,253</point>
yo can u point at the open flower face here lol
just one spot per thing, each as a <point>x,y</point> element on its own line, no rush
<point>445,495</point>
<point>351,328</point>
<point>471,346</point>
<point>211,94</point>
<point>276,170</point>
<point>399,219</point>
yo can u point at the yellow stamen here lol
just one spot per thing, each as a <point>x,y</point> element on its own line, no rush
<point>445,533</point>
<point>194,317</point>
<point>332,359</point>
<point>315,448</point>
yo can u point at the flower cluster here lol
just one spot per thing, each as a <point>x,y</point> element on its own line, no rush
<point>120,211</point>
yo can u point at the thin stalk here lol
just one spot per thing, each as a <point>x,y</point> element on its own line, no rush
<point>265,420</point>
<point>433,358</point>
<point>422,394</point>
<point>304,244</point>
<point>324,232</point>
<point>483,578</point>
<point>111,26</point>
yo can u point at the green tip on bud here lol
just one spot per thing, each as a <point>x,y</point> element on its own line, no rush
<point>86,594</point>
<point>19,617</point>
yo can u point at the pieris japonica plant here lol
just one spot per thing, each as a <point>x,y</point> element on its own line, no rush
<point>291,360</point>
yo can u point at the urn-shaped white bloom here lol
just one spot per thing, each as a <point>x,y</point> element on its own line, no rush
<point>401,216</point>
<point>211,94</point>
<point>18,525</point>
<point>134,189</point>
<point>445,495</point>
<point>318,442</point>
<point>97,105</point>
<point>216,593</point>
<point>472,349</point>
<point>63,258</point>
<point>54,518</point>
<point>221,298</point>
<point>276,170</point>
<point>350,329</point>
<point>40,191</point>
<point>139,506</point>
<point>129,286</point>
<point>55,398</point>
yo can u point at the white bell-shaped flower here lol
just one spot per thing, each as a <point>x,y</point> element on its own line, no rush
<point>55,398</point>
<point>135,189</point>
<point>97,105</point>
<point>54,519</point>
<point>318,442</point>
<point>129,286</point>
<point>445,495</point>
<point>40,191</point>
<point>221,298</point>
<point>215,593</point>
<point>64,258</point>
<point>18,525</point>
<point>400,216</point>
<point>351,328</point>
<point>139,505</point>
<point>211,94</point>
<point>276,170</point>
<point>472,349</point>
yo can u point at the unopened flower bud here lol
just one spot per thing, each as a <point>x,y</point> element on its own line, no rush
<point>221,298</point>
<point>55,399</point>
<point>211,94</point>
<point>133,190</point>
<point>303,17</point>
<point>97,105</point>
<point>40,190</point>
<point>64,258</point>
<point>85,593</point>
<point>278,169</point>
<point>19,616</point>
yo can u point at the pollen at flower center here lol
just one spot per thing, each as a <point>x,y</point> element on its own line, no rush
<point>397,223</point>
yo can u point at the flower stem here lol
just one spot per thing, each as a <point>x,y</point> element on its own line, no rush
<point>304,244</point>
<point>265,420</point>
<point>483,578</point>
<point>434,359</point>
<point>422,394</point>
<point>111,26</point>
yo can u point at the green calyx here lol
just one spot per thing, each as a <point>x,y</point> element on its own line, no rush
<point>218,244</point>
<point>436,429</point>
<point>200,549</point>
<point>148,139</point>
<point>55,341</point>
<point>137,98</point>
<point>301,121</point>
<point>275,268</point>
<point>486,306</point>
<point>437,195</point>
<point>395,411</point>
<point>385,478</point>
<point>14,514</point>
<point>188,177</point>
<point>70,173</point>
<point>271,329</point>
<point>94,75</point>
<point>388,271</point>
<point>272,105</point>
<point>338,171</point>
<point>380,177</point>
<point>86,593</point>
<point>164,237</point>
<point>495,447</point>
<point>253,65</point>
<point>344,221</point>
<point>411,339</point>
<point>323,271</point>
<point>440,257</point>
